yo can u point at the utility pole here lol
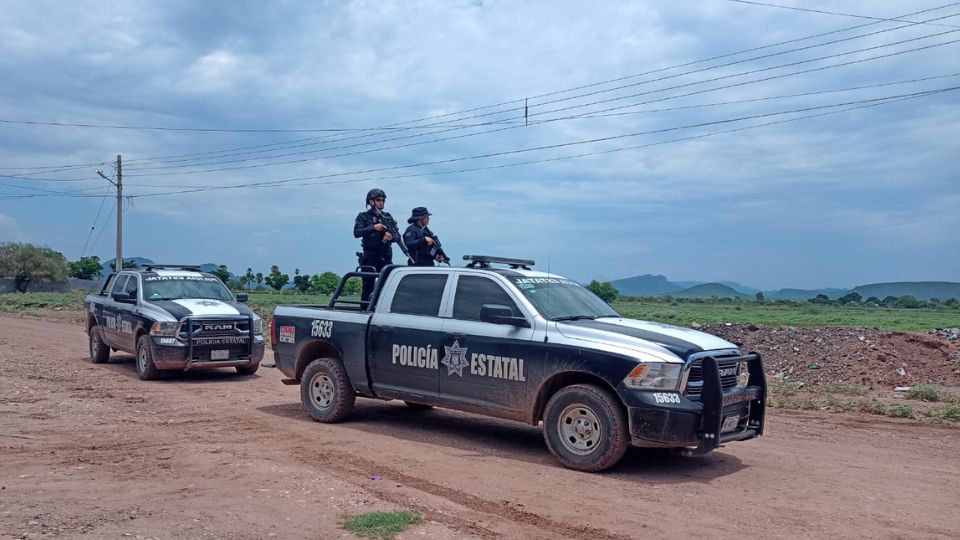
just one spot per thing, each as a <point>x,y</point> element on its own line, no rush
<point>119,183</point>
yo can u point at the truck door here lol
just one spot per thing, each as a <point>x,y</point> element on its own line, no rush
<point>485,364</point>
<point>111,312</point>
<point>405,338</point>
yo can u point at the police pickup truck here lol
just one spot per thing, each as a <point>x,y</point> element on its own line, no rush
<point>523,345</point>
<point>173,318</point>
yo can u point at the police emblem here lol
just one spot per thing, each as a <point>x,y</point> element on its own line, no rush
<point>210,303</point>
<point>455,358</point>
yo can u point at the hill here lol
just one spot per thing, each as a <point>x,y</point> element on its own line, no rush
<point>645,285</point>
<point>922,290</point>
<point>732,284</point>
<point>709,290</point>
<point>804,294</point>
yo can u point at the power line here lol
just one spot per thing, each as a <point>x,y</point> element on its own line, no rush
<point>821,68</point>
<point>558,145</point>
<point>557,92</point>
<point>95,219</point>
<point>204,130</point>
<point>824,12</point>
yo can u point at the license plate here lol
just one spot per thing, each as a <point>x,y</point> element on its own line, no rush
<point>730,423</point>
<point>223,354</point>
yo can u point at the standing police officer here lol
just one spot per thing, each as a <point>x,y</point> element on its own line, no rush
<point>372,227</point>
<point>420,240</point>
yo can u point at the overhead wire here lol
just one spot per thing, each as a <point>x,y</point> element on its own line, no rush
<point>825,12</point>
<point>431,141</point>
<point>557,92</point>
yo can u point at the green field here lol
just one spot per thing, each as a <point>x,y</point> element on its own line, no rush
<point>679,312</point>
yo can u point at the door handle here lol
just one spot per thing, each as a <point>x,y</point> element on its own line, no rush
<point>386,328</point>
<point>455,335</point>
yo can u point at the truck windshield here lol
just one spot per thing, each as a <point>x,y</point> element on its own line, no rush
<point>175,287</point>
<point>561,299</point>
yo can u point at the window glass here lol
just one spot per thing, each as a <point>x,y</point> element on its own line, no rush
<point>131,286</point>
<point>184,286</point>
<point>119,283</point>
<point>419,294</point>
<point>560,298</point>
<point>109,285</point>
<point>474,291</point>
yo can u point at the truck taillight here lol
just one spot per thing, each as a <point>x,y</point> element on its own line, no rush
<point>273,335</point>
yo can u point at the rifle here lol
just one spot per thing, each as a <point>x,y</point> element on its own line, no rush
<point>436,250</point>
<point>391,226</point>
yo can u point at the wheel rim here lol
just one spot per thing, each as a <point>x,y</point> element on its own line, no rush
<point>322,390</point>
<point>94,345</point>
<point>142,360</point>
<point>579,429</point>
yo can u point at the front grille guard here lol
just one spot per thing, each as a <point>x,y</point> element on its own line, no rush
<point>712,400</point>
<point>189,320</point>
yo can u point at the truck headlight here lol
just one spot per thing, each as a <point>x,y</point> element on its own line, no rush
<point>164,329</point>
<point>258,327</point>
<point>654,375</point>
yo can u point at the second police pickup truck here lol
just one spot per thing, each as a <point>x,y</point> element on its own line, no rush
<point>526,346</point>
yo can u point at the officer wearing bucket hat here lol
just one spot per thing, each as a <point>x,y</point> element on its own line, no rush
<point>421,242</point>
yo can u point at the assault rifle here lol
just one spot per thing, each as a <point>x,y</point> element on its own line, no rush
<point>391,226</point>
<point>436,250</point>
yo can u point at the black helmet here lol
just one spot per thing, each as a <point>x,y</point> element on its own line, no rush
<point>375,193</point>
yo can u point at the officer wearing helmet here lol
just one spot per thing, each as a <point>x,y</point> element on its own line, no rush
<point>373,228</point>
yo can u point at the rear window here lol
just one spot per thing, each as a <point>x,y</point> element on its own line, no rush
<point>419,294</point>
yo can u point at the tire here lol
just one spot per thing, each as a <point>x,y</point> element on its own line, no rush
<point>585,428</point>
<point>99,351</point>
<point>326,391</point>
<point>248,370</point>
<point>418,406</point>
<point>146,369</point>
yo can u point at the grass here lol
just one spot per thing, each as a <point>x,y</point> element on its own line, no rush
<point>381,525</point>
<point>18,302</point>
<point>950,412</point>
<point>845,389</point>
<point>786,314</point>
<point>924,393</point>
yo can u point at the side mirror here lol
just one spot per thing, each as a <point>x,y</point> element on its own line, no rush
<point>242,297</point>
<point>124,297</point>
<point>500,314</point>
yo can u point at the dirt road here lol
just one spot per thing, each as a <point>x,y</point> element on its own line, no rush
<point>91,451</point>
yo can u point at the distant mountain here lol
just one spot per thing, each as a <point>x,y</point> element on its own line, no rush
<point>803,294</point>
<point>107,266</point>
<point>732,284</point>
<point>645,285</point>
<point>709,290</point>
<point>922,290</point>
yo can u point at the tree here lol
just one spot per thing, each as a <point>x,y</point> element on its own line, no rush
<point>129,264</point>
<point>301,282</point>
<point>820,299</point>
<point>873,301</point>
<point>850,298</point>
<point>759,296</point>
<point>908,301</point>
<point>86,268</point>
<point>259,278</point>
<point>352,287</point>
<point>276,280</point>
<point>606,291</point>
<point>26,263</point>
<point>222,273</point>
<point>247,278</point>
<point>325,283</point>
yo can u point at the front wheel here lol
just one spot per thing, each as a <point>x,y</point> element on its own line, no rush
<point>146,369</point>
<point>585,428</point>
<point>249,369</point>
<point>99,351</point>
<point>326,391</point>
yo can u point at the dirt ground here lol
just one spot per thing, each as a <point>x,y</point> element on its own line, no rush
<point>91,451</point>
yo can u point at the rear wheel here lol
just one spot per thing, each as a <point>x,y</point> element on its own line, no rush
<point>146,369</point>
<point>99,351</point>
<point>585,428</point>
<point>326,391</point>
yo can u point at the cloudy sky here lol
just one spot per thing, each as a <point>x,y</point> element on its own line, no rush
<point>708,140</point>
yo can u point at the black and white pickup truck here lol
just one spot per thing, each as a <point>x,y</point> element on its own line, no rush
<point>173,318</point>
<point>527,346</point>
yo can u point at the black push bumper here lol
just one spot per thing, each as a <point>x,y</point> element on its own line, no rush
<point>192,351</point>
<point>718,416</point>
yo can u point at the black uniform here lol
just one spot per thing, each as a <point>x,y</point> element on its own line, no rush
<point>376,252</point>
<point>415,239</point>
